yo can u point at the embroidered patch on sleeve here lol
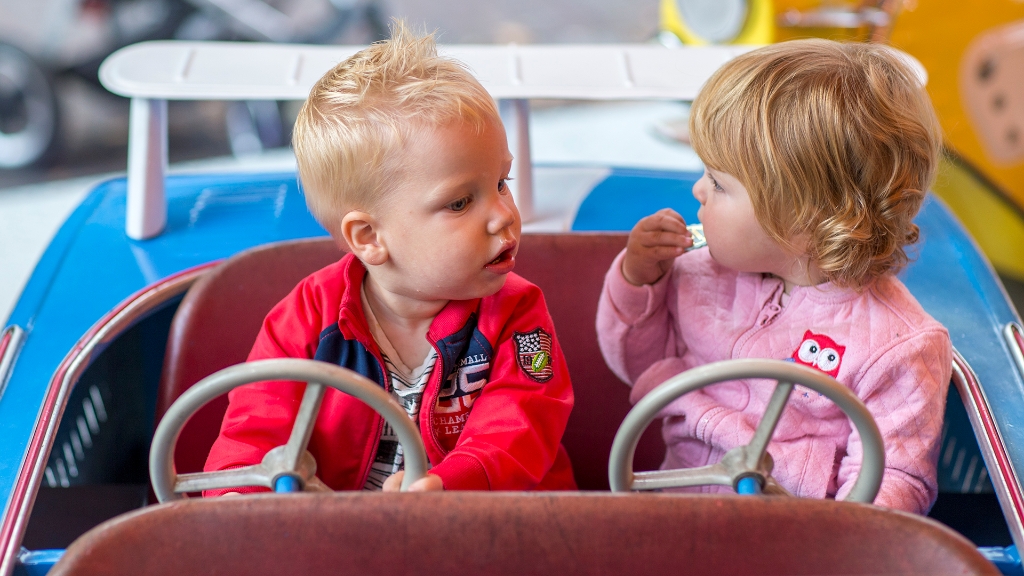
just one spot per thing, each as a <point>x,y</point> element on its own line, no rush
<point>533,351</point>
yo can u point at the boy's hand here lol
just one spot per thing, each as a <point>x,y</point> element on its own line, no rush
<point>654,243</point>
<point>428,483</point>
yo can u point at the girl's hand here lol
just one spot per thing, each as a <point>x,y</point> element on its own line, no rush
<point>428,483</point>
<point>654,243</point>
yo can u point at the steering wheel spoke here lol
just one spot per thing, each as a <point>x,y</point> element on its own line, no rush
<point>772,414</point>
<point>302,429</point>
<point>659,479</point>
<point>255,475</point>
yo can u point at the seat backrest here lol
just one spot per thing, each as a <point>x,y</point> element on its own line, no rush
<point>217,323</point>
<point>510,534</point>
<point>220,316</point>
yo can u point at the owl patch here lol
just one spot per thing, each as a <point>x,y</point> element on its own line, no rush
<point>821,352</point>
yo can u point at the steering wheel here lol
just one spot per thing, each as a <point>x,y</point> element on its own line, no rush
<point>290,467</point>
<point>743,465</point>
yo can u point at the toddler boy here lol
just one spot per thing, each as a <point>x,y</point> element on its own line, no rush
<point>404,160</point>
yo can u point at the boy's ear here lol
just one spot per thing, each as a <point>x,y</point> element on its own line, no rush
<point>362,234</point>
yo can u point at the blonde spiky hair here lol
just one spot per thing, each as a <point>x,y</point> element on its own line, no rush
<point>358,115</point>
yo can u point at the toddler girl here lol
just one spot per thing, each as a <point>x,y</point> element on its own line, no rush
<point>817,156</point>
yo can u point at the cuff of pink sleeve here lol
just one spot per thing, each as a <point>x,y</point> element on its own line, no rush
<point>634,302</point>
<point>654,376</point>
<point>906,498</point>
<point>460,472</point>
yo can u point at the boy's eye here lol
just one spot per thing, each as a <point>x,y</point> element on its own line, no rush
<point>459,205</point>
<point>503,185</point>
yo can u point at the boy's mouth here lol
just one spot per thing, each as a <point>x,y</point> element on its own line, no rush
<point>505,260</point>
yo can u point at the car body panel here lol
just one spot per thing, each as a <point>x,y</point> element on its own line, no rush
<point>212,217</point>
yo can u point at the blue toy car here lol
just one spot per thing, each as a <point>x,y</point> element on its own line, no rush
<point>156,282</point>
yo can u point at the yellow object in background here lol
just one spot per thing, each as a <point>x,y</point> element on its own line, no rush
<point>702,22</point>
<point>939,34</point>
<point>984,190</point>
<point>996,223</point>
<point>960,44</point>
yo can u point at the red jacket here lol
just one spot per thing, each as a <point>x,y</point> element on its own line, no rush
<point>500,351</point>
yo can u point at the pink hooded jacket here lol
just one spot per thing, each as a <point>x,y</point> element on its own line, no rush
<point>879,342</point>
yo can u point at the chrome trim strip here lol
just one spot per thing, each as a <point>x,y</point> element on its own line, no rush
<point>834,18</point>
<point>10,344</point>
<point>58,391</point>
<point>993,450</point>
<point>1015,341</point>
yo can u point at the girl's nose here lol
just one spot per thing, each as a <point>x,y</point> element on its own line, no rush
<point>698,191</point>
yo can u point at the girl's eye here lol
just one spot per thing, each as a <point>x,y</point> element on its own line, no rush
<point>459,205</point>
<point>503,185</point>
<point>714,182</point>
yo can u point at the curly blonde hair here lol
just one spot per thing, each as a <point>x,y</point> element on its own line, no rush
<point>350,132</point>
<point>835,142</point>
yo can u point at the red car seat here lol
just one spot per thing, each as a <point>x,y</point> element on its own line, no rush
<point>220,316</point>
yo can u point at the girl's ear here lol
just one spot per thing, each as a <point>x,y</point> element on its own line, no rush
<point>362,234</point>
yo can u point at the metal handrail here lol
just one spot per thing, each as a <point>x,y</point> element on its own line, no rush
<point>10,344</point>
<point>1015,342</point>
<point>1004,478</point>
<point>59,390</point>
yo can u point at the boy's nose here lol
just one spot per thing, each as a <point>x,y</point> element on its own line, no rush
<point>504,215</point>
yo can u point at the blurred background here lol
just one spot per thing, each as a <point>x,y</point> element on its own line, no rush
<point>54,48</point>
<point>58,123</point>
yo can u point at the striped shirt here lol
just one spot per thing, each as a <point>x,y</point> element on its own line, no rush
<point>407,387</point>
<point>407,390</point>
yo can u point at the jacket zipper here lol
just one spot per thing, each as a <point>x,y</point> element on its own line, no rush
<point>761,321</point>
<point>431,403</point>
<point>380,421</point>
